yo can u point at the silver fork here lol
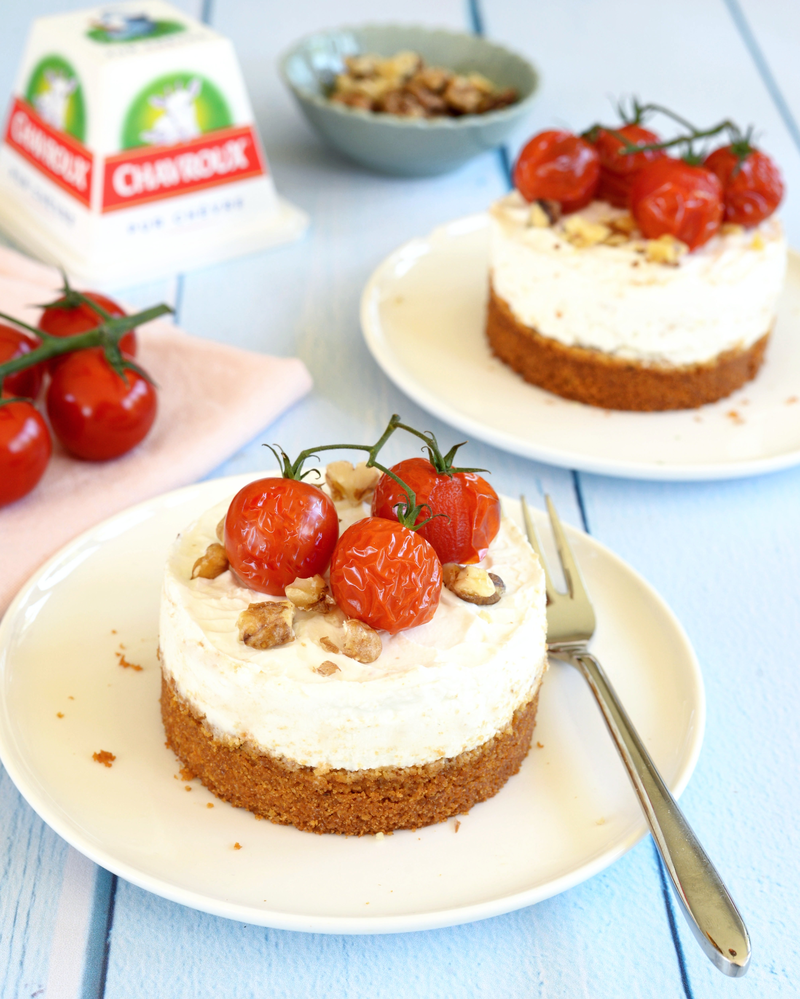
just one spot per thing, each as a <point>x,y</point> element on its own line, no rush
<point>704,899</point>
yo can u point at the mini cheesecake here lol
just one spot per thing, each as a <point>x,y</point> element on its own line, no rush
<point>586,308</point>
<point>304,734</point>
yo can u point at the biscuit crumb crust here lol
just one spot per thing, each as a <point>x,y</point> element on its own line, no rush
<point>597,379</point>
<point>354,803</point>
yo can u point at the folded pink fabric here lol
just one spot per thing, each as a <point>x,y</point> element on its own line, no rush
<point>212,400</point>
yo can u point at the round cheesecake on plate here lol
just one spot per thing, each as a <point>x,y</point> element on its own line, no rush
<point>330,732</point>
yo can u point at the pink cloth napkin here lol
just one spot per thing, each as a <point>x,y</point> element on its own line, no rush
<point>212,400</point>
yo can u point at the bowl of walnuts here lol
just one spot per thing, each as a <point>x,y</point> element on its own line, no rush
<point>408,100</point>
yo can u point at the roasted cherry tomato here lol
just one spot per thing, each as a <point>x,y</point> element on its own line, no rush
<point>279,529</point>
<point>558,166</point>
<point>617,169</point>
<point>385,575</point>
<point>68,320</point>
<point>94,412</point>
<point>15,343</point>
<point>25,449</point>
<point>752,187</point>
<point>470,506</point>
<point>674,198</point>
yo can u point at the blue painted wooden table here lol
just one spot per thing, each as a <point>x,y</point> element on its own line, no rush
<point>725,555</point>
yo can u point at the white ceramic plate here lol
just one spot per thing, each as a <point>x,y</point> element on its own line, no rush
<point>423,313</point>
<point>568,814</point>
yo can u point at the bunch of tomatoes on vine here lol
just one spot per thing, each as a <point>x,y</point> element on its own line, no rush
<point>687,197</point>
<point>99,402</point>
<point>385,569</point>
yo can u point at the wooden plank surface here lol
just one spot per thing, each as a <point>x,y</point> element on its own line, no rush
<point>725,555</point>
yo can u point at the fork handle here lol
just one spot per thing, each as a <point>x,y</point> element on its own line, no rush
<point>704,899</point>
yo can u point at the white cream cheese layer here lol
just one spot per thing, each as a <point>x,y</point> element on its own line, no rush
<point>435,691</point>
<point>610,298</point>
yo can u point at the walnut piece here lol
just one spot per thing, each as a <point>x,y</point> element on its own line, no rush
<point>361,642</point>
<point>665,250</point>
<point>626,224</point>
<point>351,483</point>
<point>266,625</point>
<point>326,668</point>
<point>220,531</point>
<point>310,594</point>
<point>212,563</point>
<point>583,233</point>
<point>544,213</point>
<point>473,584</point>
<point>329,645</point>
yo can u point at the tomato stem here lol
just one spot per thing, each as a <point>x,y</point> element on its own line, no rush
<point>442,463</point>
<point>106,335</point>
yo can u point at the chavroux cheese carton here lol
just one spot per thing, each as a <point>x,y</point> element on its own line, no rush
<point>130,149</point>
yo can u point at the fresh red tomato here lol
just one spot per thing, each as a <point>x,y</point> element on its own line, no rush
<point>93,411</point>
<point>25,449</point>
<point>558,166</point>
<point>617,169</point>
<point>753,187</point>
<point>66,321</point>
<point>385,575</point>
<point>15,343</point>
<point>470,505</point>
<point>672,197</point>
<point>279,529</point>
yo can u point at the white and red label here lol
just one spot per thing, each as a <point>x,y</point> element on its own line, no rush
<point>57,155</point>
<point>147,174</point>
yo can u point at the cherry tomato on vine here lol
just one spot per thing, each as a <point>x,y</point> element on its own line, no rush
<point>14,343</point>
<point>279,529</point>
<point>752,187</point>
<point>674,198</point>
<point>470,505</point>
<point>67,320</point>
<point>617,169</point>
<point>558,166</point>
<point>25,449</point>
<point>385,575</point>
<point>94,412</point>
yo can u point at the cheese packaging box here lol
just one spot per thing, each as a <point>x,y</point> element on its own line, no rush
<point>130,150</point>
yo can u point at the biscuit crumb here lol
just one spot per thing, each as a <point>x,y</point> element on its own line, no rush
<point>104,757</point>
<point>187,788</point>
<point>124,662</point>
<point>210,804</point>
<point>237,846</point>
<point>540,745</point>
<point>186,774</point>
<point>791,400</point>
<point>456,825</point>
<point>735,417</point>
<point>600,822</point>
<point>70,698</point>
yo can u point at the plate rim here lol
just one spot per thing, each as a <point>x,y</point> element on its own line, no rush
<point>39,801</point>
<point>386,360</point>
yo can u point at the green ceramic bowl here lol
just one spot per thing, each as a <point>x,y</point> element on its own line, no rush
<point>408,147</point>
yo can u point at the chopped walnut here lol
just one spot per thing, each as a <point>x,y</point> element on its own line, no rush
<point>403,85</point>
<point>266,625</point>
<point>350,483</point>
<point>473,584</point>
<point>220,531</point>
<point>582,233</point>
<point>625,224</point>
<point>211,564</point>
<point>544,213</point>
<point>326,668</point>
<point>616,239</point>
<point>731,229</point>
<point>462,95</point>
<point>311,594</point>
<point>665,250</point>
<point>361,642</point>
<point>328,645</point>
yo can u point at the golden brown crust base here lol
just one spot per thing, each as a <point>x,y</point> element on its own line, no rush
<point>341,801</point>
<point>598,379</point>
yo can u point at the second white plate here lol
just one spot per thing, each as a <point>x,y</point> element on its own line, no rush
<point>423,314</point>
<point>65,694</point>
